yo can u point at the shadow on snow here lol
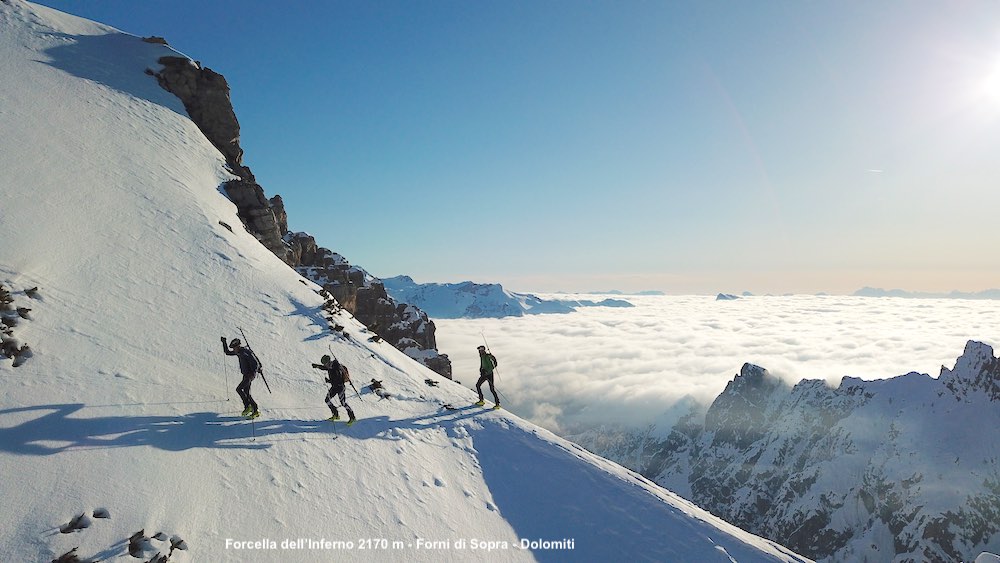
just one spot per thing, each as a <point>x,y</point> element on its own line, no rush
<point>102,58</point>
<point>57,431</point>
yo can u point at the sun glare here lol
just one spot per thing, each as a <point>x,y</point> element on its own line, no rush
<point>992,86</point>
<point>990,89</point>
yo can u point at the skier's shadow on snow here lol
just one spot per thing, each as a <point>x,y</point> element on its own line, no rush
<point>44,430</point>
<point>383,428</point>
<point>57,431</point>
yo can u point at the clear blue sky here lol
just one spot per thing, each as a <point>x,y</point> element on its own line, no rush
<point>769,146</point>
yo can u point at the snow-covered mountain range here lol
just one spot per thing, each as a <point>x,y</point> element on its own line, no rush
<point>901,469</point>
<point>120,440</point>
<point>476,300</point>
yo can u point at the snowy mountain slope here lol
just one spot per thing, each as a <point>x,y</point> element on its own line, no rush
<point>905,468</point>
<point>109,204</point>
<point>478,301</point>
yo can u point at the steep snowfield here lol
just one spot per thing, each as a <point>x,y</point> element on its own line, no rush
<point>109,203</point>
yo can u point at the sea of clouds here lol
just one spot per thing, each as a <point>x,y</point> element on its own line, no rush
<point>632,366</point>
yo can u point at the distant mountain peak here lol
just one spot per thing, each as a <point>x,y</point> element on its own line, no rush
<point>882,470</point>
<point>481,300</point>
<point>976,370</point>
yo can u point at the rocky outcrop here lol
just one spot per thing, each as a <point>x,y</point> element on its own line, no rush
<point>205,95</point>
<point>404,326</point>
<point>902,469</point>
<point>977,371</point>
<point>10,318</point>
<point>256,212</point>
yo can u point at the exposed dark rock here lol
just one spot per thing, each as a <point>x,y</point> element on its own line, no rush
<point>404,326</point>
<point>256,213</point>
<point>78,523</point>
<point>70,556</point>
<point>279,213</point>
<point>10,317</point>
<point>440,364</point>
<point>155,39</point>
<point>205,95</point>
<point>9,346</point>
<point>22,355</point>
<point>6,300</point>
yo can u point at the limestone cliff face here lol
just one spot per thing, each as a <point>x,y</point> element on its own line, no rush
<point>205,95</point>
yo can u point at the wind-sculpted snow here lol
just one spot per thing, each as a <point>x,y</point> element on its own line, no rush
<point>120,438</point>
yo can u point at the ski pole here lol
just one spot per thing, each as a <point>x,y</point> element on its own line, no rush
<point>225,367</point>
<point>260,368</point>
<point>261,372</point>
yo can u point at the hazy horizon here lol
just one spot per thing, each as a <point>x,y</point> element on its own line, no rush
<point>628,285</point>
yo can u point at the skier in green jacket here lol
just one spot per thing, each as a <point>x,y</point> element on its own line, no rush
<point>487,363</point>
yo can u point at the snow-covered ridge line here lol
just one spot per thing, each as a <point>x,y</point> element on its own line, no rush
<point>475,300</point>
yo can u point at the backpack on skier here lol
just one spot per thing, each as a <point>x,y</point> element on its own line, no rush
<point>333,366</point>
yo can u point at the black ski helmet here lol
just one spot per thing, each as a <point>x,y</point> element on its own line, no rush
<point>325,360</point>
<point>234,343</point>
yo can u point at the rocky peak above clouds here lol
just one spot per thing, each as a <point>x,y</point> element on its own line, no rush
<point>897,469</point>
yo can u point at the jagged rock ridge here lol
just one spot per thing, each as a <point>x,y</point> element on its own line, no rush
<point>900,469</point>
<point>477,300</point>
<point>405,326</point>
<point>205,95</point>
